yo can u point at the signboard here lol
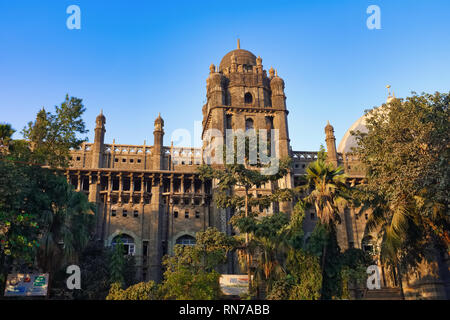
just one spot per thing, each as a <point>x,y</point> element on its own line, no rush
<point>26,284</point>
<point>234,284</point>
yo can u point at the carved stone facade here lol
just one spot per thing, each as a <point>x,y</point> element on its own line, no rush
<point>152,194</point>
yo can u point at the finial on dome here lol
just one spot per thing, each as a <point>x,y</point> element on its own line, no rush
<point>390,97</point>
<point>238,43</point>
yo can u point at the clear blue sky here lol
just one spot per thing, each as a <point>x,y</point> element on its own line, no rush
<point>134,59</point>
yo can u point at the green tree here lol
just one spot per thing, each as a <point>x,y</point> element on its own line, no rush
<point>51,136</point>
<point>40,214</point>
<point>327,192</point>
<point>117,264</point>
<point>67,226</point>
<point>190,273</point>
<point>307,275</point>
<point>406,154</point>
<point>6,132</point>
<point>140,291</point>
<point>242,177</point>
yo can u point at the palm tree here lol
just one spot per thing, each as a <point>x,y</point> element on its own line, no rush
<point>327,192</point>
<point>327,188</point>
<point>391,223</point>
<point>69,226</point>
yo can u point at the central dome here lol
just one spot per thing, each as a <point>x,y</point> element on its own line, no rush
<point>242,57</point>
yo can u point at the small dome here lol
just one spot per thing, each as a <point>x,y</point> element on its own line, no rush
<point>159,120</point>
<point>100,117</point>
<point>242,57</point>
<point>276,79</point>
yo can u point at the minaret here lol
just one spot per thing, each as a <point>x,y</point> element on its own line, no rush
<point>97,149</point>
<point>331,144</point>
<point>278,99</point>
<point>158,154</point>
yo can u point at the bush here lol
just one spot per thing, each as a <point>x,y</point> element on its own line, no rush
<point>141,291</point>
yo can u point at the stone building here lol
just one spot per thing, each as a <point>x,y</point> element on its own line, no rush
<point>150,195</point>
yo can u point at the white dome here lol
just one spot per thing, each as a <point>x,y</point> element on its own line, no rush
<point>349,141</point>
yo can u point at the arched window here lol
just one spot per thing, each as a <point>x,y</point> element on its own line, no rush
<point>248,124</point>
<point>248,98</point>
<point>127,242</point>
<point>186,240</point>
<point>367,244</point>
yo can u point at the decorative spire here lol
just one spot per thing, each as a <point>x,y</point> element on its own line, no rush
<point>159,122</point>
<point>329,130</point>
<point>100,120</point>
<point>271,72</point>
<point>238,43</point>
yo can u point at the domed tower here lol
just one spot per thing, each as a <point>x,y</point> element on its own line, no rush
<point>97,148</point>
<point>157,152</point>
<point>240,95</point>
<point>331,144</point>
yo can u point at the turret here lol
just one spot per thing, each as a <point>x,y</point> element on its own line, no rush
<point>214,89</point>
<point>277,88</point>
<point>331,144</point>
<point>97,149</point>
<point>158,154</point>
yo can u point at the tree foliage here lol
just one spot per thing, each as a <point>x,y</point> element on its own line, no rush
<point>51,136</point>
<point>42,219</point>
<point>190,273</point>
<point>406,154</point>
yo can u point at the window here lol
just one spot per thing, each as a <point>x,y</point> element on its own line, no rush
<point>113,213</point>
<point>124,160</point>
<point>248,99</point>
<point>131,160</point>
<point>175,214</point>
<point>127,242</point>
<point>124,213</point>
<point>116,160</point>
<point>145,248</point>
<point>366,216</point>
<point>197,214</point>
<point>186,214</point>
<point>229,121</point>
<point>312,216</point>
<point>136,213</point>
<point>248,124</point>
<point>186,240</point>
<point>139,160</point>
<point>78,158</point>
<point>367,244</point>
